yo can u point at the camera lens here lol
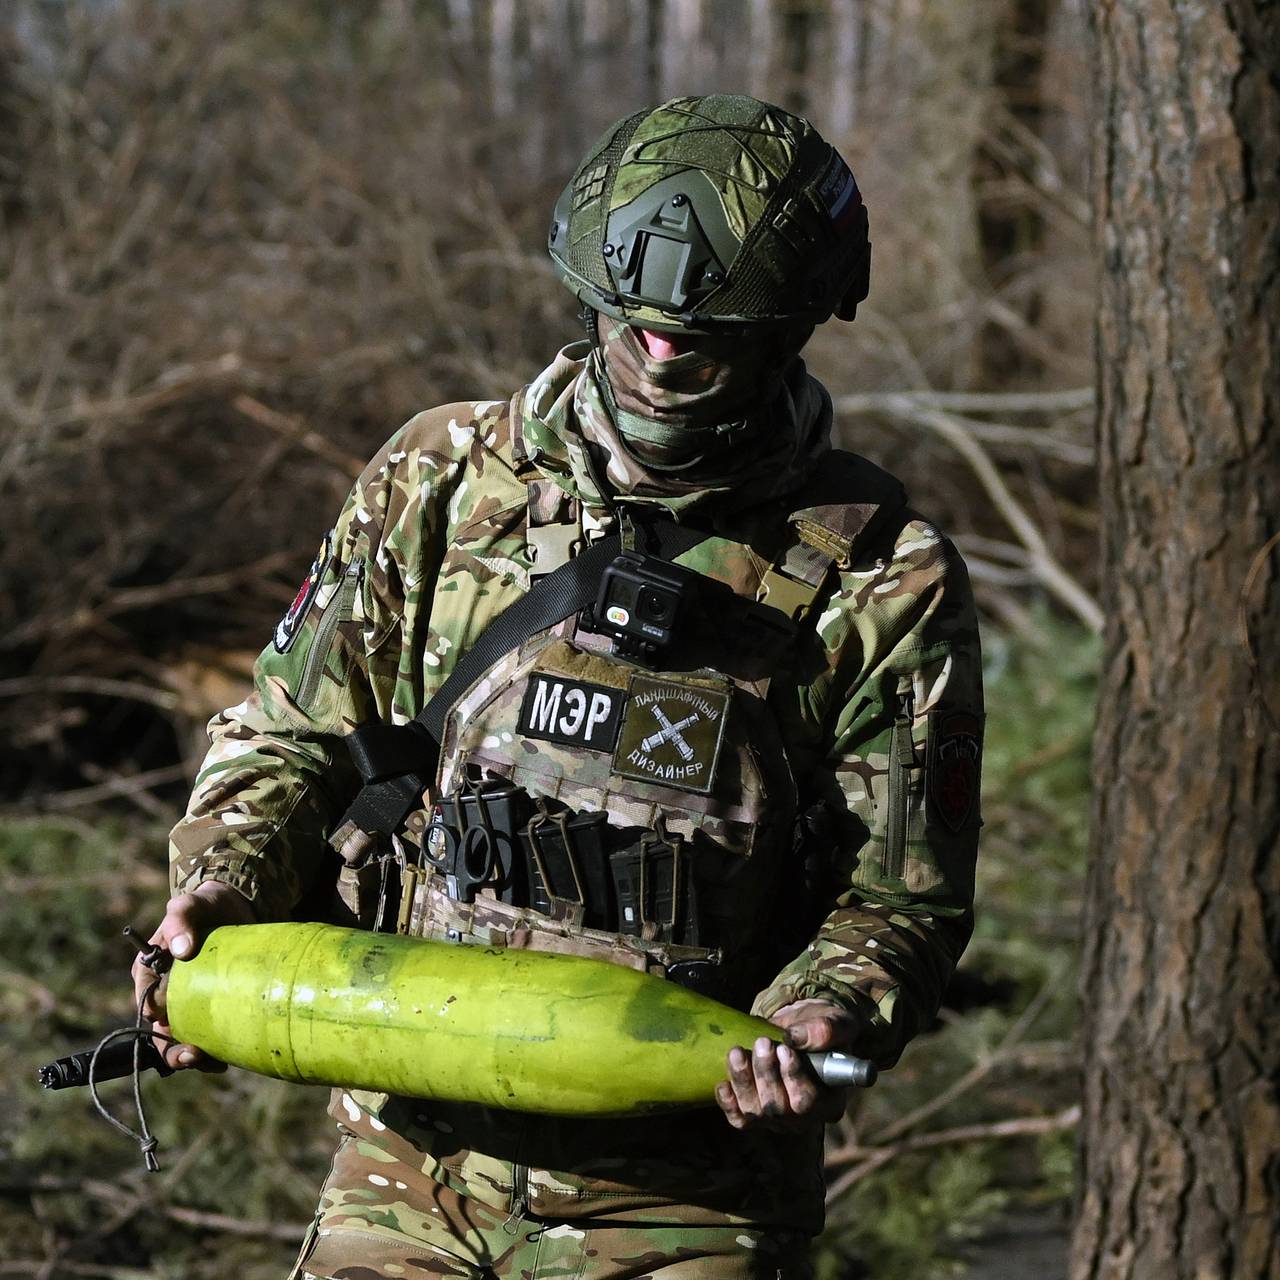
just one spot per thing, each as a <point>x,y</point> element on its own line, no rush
<point>652,606</point>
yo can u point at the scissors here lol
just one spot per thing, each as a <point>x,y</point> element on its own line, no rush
<point>468,861</point>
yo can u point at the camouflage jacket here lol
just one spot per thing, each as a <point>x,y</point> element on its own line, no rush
<point>883,726</point>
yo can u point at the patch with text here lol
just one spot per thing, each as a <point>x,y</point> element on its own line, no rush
<point>571,711</point>
<point>671,733</point>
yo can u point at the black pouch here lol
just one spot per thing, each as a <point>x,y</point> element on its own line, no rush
<point>654,886</point>
<point>567,864</point>
<point>499,810</point>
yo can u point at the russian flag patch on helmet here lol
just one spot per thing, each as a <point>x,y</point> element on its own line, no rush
<point>839,193</point>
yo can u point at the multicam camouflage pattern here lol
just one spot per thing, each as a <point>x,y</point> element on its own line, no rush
<point>771,220</point>
<point>562,412</point>
<point>432,544</point>
<point>381,1217</point>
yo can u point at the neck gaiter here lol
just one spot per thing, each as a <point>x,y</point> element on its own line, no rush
<point>690,411</point>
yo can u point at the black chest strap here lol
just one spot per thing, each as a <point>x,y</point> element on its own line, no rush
<point>397,762</point>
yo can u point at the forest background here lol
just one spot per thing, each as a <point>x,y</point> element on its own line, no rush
<point>239,244</point>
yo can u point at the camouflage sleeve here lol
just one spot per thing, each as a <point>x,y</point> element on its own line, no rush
<point>904,706</point>
<point>276,777</point>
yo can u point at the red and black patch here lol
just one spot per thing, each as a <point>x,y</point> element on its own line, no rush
<point>954,766</point>
<point>288,626</point>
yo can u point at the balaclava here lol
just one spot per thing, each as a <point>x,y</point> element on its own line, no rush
<point>688,412</point>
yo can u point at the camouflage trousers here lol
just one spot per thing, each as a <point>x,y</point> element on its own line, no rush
<point>373,1225</point>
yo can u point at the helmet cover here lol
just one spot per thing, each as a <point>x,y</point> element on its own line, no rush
<point>710,213</point>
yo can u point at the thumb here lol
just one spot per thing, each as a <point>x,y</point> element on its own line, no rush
<point>812,1033</point>
<point>190,917</point>
<point>835,1030</point>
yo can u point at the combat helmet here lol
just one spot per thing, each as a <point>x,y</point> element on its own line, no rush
<point>707,213</point>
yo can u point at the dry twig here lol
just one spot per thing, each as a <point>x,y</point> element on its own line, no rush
<point>117,785</point>
<point>129,689</point>
<point>996,434</point>
<point>111,1193</point>
<point>1041,560</point>
<point>1015,402</point>
<point>872,1158</point>
<point>297,432</point>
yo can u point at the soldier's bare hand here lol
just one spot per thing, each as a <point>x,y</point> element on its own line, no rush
<point>773,1085</point>
<point>189,918</point>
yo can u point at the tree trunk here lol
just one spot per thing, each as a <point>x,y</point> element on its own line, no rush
<point>1181,1130</point>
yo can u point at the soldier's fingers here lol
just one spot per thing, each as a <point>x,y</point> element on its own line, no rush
<point>181,1056</point>
<point>742,1079</point>
<point>146,989</point>
<point>729,1105</point>
<point>189,918</point>
<point>830,1031</point>
<point>769,1086</point>
<point>831,1104</point>
<point>182,930</point>
<point>798,1080</point>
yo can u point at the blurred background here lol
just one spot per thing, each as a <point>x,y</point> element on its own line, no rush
<point>240,243</point>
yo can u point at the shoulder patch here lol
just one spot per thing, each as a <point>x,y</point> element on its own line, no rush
<point>955,754</point>
<point>287,628</point>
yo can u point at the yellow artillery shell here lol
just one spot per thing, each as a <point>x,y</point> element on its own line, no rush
<point>525,1030</point>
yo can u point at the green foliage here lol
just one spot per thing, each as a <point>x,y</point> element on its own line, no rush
<point>922,1207</point>
<point>233,1145</point>
<point>911,1216</point>
<point>257,1149</point>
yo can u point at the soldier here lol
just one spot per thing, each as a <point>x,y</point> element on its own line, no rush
<point>750,765</point>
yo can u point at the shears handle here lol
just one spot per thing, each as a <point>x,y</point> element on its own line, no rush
<point>467,862</point>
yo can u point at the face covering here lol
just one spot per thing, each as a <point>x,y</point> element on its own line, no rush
<point>689,411</point>
<point>566,425</point>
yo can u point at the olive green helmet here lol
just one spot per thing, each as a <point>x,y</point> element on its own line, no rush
<point>707,213</point>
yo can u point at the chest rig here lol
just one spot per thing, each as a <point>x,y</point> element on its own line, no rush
<point>602,774</point>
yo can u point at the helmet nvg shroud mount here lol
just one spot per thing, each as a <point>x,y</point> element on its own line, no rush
<point>708,213</point>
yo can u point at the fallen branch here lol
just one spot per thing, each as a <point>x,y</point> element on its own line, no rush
<point>296,431</point>
<point>127,1205</point>
<point>872,1158</point>
<point>1041,561</point>
<point>127,689</point>
<point>1051,402</point>
<point>978,1072</point>
<point>116,1195</point>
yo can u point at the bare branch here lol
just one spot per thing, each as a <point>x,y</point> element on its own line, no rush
<point>144,597</point>
<point>1050,402</point>
<point>116,785</point>
<point>979,1071</point>
<point>872,1158</point>
<point>1041,560</point>
<point>117,1195</point>
<point>296,431</point>
<point>39,1267</point>
<point>170,388</point>
<point>129,689</point>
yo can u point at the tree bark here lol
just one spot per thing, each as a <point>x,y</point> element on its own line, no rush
<point>1181,1008</point>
